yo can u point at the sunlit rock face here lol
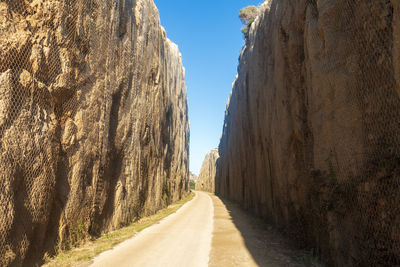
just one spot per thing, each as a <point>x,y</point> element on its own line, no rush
<point>311,139</point>
<point>206,180</point>
<point>93,121</point>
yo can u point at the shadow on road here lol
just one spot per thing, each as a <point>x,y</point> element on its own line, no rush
<point>265,244</point>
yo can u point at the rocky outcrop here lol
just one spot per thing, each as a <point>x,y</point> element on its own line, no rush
<point>311,140</point>
<point>93,121</point>
<point>206,180</point>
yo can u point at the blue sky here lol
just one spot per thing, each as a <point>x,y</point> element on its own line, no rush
<point>209,38</point>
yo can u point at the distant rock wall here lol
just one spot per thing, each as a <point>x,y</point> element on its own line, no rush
<point>206,180</point>
<point>93,121</point>
<point>311,139</point>
<point>192,177</point>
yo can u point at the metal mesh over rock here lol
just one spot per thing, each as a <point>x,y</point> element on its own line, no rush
<point>311,138</point>
<point>93,121</point>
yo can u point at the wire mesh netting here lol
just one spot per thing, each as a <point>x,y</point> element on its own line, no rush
<point>43,62</point>
<point>311,139</point>
<point>89,135</point>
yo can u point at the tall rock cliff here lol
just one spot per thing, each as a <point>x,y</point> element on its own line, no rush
<point>206,180</point>
<point>93,121</point>
<point>311,140</point>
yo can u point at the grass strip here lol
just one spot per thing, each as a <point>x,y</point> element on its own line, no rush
<point>81,256</point>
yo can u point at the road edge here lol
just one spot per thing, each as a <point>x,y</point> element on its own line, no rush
<point>85,254</point>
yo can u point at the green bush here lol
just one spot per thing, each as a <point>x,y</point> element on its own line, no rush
<point>247,15</point>
<point>192,184</point>
<point>246,29</point>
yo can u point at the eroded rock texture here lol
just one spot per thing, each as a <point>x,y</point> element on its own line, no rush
<point>93,121</point>
<point>311,139</point>
<point>206,180</point>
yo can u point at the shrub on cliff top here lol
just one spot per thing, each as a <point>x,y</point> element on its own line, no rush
<point>247,15</point>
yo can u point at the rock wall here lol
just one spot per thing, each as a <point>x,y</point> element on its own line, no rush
<point>93,121</point>
<point>206,180</point>
<point>311,139</point>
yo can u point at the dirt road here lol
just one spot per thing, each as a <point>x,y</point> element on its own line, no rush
<point>182,239</point>
<point>204,232</point>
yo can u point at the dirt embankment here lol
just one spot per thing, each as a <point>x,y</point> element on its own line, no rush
<point>93,121</point>
<point>311,138</point>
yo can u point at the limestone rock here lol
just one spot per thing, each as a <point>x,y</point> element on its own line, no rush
<point>94,129</point>
<point>311,138</point>
<point>206,180</point>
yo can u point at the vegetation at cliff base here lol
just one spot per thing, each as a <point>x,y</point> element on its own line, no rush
<point>192,184</point>
<point>82,255</point>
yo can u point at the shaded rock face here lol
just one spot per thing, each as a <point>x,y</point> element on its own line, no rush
<point>311,140</point>
<point>206,180</point>
<point>93,121</point>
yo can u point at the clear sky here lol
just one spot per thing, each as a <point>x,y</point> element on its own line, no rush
<point>209,38</point>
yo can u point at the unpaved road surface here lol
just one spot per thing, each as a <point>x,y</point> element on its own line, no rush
<point>242,240</point>
<point>181,239</point>
<point>204,232</point>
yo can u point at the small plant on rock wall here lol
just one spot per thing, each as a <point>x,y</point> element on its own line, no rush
<point>74,236</point>
<point>246,29</point>
<point>247,15</point>
<point>309,260</point>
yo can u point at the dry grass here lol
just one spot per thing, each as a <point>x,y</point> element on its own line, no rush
<point>82,255</point>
